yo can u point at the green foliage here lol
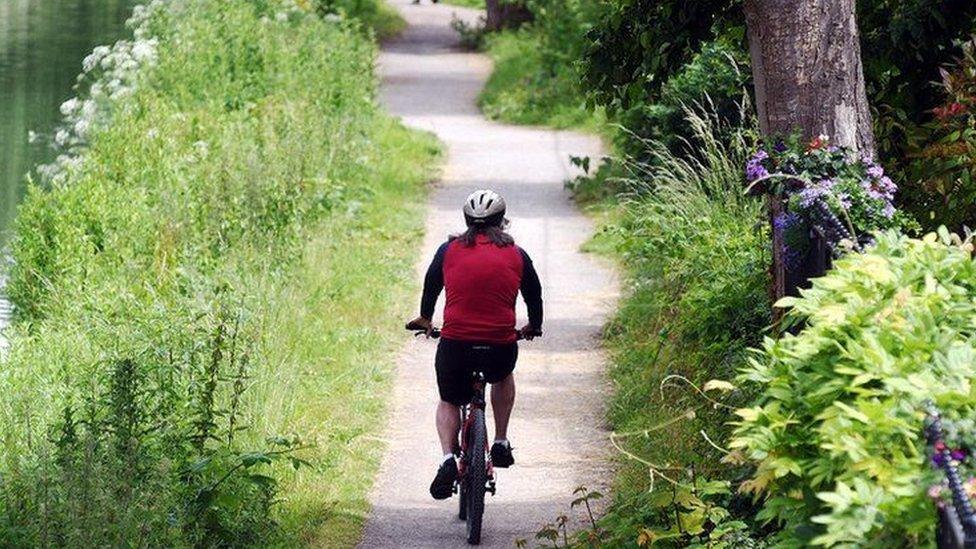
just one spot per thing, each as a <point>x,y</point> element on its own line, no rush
<point>637,45</point>
<point>477,4</point>
<point>376,15</point>
<point>717,78</point>
<point>471,36</point>
<point>557,534</point>
<point>941,173</point>
<point>535,79</point>
<point>696,254</point>
<point>835,430</point>
<point>904,43</point>
<point>157,280</point>
<point>694,513</point>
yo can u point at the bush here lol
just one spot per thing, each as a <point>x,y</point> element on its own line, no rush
<point>718,79</point>
<point>696,254</point>
<point>941,170</point>
<point>147,396</point>
<point>835,433</point>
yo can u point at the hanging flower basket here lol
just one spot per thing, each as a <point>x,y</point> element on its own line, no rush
<point>829,202</point>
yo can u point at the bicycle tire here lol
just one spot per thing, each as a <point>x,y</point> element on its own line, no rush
<point>477,475</point>
<point>462,500</point>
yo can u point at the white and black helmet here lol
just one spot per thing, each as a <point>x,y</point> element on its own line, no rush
<point>484,207</point>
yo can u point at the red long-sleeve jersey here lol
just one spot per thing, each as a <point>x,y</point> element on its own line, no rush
<point>482,283</point>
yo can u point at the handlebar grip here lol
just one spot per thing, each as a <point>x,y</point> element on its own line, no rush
<point>414,326</point>
<point>434,332</point>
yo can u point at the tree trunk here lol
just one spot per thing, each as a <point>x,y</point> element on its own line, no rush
<point>505,14</point>
<point>806,63</point>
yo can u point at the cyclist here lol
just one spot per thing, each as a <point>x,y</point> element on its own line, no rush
<point>483,271</point>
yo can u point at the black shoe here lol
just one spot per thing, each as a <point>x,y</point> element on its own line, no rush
<point>501,455</point>
<point>443,485</point>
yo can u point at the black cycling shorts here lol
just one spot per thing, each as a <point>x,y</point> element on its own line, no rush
<point>457,360</point>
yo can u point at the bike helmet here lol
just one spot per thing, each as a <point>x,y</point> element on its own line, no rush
<point>484,207</point>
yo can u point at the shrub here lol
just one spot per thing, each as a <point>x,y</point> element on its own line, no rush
<point>835,433</point>
<point>696,255</point>
<point>717,79</point>
<point>941,171</point>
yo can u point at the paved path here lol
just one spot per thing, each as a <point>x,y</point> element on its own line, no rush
<point>557,424</point>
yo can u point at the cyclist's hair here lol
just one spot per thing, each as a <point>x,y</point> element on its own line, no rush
<point>495,233</point>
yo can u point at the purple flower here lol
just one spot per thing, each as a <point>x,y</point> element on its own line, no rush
<point>875,171</point>
<point>754,167</point>
<point>779,147</point>
<point>782,224</point>
<point>815,192</point>
<point>958,454</point>
<point>871,191</point>
<point>887,185</point>
<point>889,210</point>
<point>791,258</point>
<point>881,188</point>
<point>786,221</point>
<point>938,459</point>
<point>845,200</point>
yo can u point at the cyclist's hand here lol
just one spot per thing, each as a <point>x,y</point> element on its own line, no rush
<point>529,332</point>
<point>421,323</point>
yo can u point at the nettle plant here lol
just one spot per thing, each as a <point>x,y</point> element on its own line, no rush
<point>830,189</point>
<point>835,434</point>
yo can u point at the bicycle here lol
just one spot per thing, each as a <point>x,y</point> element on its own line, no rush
<point>476,476</point>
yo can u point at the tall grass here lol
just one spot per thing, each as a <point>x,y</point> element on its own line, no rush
<point>696,255</point>
<point>201,295</point>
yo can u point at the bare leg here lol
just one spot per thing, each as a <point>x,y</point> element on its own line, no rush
<point>448,425</point>
<point>502,401</point>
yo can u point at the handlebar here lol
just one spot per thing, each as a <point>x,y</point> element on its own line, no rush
<point>436,332</point>
<point>420,330</point>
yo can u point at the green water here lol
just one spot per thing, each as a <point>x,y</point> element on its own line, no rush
<point>42,44</point>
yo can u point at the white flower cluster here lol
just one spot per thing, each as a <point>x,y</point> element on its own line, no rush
<point>114,72</point>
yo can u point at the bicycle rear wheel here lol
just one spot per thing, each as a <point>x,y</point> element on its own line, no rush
<point>463,499</point>
<point>477,475</point>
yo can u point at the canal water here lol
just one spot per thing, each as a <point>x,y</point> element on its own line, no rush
<point>42,44</point>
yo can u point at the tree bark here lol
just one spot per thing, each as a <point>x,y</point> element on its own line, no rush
<point>806,63</point>
<point>505,14</point>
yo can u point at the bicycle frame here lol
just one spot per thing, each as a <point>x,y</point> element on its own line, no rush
<point>477,401</point>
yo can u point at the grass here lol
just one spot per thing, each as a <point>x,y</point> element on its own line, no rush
<point>384,20</point>
<point>208,292</point>
<point>335,332</point>
<point>527,88</point>
<point>695,263</point>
